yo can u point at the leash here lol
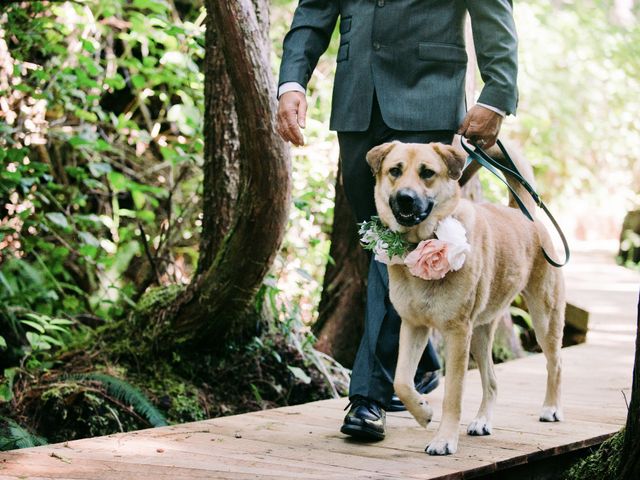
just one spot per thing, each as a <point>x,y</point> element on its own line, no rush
<point>484,159</point>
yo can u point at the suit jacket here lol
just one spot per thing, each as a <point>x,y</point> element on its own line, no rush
<point>411,52</point>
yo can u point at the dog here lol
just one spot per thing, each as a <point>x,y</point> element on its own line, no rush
<point>417,187</point>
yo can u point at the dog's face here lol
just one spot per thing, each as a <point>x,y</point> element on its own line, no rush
<point>415,181</point>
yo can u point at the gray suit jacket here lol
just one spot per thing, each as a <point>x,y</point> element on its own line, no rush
<point>411,52</point>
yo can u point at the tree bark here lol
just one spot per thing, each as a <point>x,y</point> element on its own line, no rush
<point>630,457</point>
<point>340,323</point>
<point>246,190</point>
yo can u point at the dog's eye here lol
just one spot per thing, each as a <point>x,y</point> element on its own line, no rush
<point>426,173</point>
<point>395,171</point>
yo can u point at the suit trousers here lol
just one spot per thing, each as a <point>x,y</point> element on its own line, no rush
<point>375,363</point>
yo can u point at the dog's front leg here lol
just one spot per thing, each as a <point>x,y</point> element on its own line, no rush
<point>457,345</point>
<point>413,340</point>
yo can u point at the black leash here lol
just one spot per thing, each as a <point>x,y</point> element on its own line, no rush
<point>510,168</point>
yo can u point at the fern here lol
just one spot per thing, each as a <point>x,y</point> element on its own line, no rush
<point>126,393</point>
<point>14,436</point>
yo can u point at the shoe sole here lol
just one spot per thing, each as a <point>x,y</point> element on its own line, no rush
<point>429,387</point>
<point>362,433</point>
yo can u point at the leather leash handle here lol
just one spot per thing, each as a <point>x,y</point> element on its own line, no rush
<point>494,166</point>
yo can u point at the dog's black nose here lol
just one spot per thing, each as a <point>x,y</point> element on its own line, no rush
<point>406,200</point>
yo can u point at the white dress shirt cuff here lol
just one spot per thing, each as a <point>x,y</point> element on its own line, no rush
<point>502,113</point>
<point>290,87</point>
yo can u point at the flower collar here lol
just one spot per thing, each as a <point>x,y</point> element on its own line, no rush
<point>430,259</point>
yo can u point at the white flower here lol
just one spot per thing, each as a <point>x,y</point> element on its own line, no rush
<point>368,236</point>
<point>454,234</point>
<point>382,256</point>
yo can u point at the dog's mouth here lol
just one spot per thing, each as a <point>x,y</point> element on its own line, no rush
<point>410,215</point>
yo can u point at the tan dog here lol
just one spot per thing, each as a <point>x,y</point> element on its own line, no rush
<point>416,187</point>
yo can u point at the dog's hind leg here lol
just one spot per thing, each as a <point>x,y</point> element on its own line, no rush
<point>548,323</point>
<point>481,343</point>
<point>413,340</point>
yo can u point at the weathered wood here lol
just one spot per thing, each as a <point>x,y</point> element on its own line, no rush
<point>304,440</point>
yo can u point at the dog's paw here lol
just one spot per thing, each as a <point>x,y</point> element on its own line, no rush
<point>425,414</point>
<point>479,426</point>
<point>442,446</point>
<point>551,414</point>
<point>421,411</point>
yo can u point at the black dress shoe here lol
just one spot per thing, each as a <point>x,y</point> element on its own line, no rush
<point>429,382</point>
<point>365,419</point>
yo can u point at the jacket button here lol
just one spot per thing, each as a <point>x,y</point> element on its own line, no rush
<point>381,3</point>
<point>376,46</point>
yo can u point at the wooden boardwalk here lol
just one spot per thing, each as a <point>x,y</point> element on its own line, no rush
<point>303,442</point>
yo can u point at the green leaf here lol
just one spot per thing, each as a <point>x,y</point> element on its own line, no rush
<point>49,340</point>
<point>58,219</point>
<point>34,325</point>
<point>102,146</point>
<point>118,181</point>
<point>138,81</point>
<point>126,393</point>
<point>153,5</point>
<point>146,216</point>
<point>88,46</point>
<point>256,393</point>
<point>139,199</point>
<point>6,392</point>
<point>36,342</point>
<point>14,436</point>
<point>116,82</point>
<point>3,343</point>
<point>77,141</point>
<point>300,374</point>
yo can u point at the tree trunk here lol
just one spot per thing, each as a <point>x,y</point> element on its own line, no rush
<point>246,189</point>
<point>340,321</point>
<point>630,457</point>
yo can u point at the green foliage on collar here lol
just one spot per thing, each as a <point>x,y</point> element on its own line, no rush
<point>375,235</point>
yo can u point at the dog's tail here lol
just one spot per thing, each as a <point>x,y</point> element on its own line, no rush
<point>524,168</point>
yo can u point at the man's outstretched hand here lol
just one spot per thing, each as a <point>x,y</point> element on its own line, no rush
<point>292,110</point>
<point>481,125</point>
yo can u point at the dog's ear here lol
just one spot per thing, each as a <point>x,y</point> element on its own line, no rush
<point>454,158</point>
<point>376,155</point>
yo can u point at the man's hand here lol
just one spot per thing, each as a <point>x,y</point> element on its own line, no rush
<point>292,110</point>
<point>481,126</point>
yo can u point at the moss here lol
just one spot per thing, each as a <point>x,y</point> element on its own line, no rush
<point>179,398</point>
<point>68,410</point>
<point>602,464</point>
<point>158,298</point>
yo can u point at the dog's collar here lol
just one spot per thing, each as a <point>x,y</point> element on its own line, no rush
<point>429,259</point>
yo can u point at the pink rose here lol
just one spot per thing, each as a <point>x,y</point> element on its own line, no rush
<point>429,260</point>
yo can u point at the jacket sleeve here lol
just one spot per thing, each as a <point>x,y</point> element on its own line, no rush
<point>310,34</point>
<point>496,44</point>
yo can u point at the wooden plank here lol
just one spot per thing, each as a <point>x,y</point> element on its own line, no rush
<point>577,317</point>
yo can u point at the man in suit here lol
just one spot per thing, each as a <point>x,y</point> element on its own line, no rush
<point>400,76</point>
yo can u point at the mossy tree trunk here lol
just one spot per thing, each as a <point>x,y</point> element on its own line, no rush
<point>246,187</point>
<point>630,456</point>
